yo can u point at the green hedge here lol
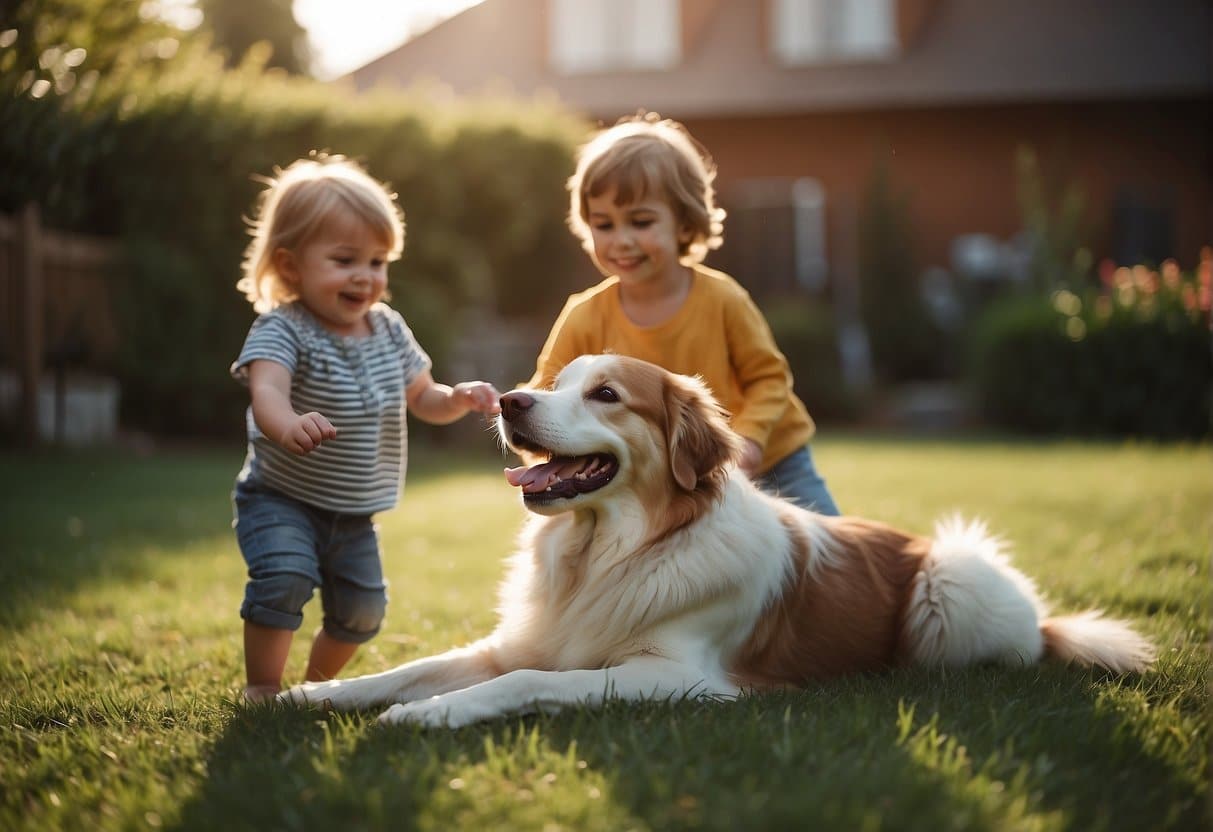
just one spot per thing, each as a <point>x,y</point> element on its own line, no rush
<point>164,163</point>
<point>1133,360</point>
<point>906,344</point>
<point>806,334</point>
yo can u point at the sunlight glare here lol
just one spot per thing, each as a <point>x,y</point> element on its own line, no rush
<point>351,33</point>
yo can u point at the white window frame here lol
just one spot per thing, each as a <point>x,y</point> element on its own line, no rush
<point>807,32</point>
<point>587,36</point>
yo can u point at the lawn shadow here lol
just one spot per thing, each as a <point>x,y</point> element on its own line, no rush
<point>286,768</point>
<point>278,767</point>
<point>1075,740</point>
<point>909,750</point>
<point>981,749</point>
<point>782,761</point>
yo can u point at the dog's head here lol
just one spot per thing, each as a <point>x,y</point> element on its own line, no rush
<point>612,423</point>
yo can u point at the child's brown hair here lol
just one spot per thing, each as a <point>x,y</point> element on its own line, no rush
<point>642,155</point>
<point>308,194</point>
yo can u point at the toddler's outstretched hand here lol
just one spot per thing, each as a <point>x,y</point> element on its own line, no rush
<point>306,432</point>
<point>477,395</point>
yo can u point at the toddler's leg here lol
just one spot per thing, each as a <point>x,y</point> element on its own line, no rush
<point>272,611</point>
<point>277,539</point>
<point>328,656</point>
<point>354,595</point>
<point>265,652</point>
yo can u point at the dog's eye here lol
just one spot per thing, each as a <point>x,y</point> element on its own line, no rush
<point>603,393</point>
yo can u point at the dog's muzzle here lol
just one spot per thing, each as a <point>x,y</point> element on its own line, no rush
<point>562,477</point>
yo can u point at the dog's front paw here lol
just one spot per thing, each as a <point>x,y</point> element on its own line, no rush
<point>322,695</point>
<point>299,697</point>
<point>436,712</point>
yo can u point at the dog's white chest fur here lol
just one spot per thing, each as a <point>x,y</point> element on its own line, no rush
<point>585,595</point>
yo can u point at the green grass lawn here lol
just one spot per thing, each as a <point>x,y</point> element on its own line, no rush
<point>120,582</point>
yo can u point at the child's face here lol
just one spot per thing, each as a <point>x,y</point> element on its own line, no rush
<point>638,241</point>
<point>339,274</point>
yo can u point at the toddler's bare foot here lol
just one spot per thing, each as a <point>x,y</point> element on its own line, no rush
<point>254,694</point>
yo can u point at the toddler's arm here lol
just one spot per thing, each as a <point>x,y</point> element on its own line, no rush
<point>270,387</point>
<point>439,404</point>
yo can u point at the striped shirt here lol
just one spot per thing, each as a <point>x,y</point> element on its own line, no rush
<point>359,385</point>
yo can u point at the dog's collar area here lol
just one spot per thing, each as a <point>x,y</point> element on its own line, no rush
<point>564,477</point>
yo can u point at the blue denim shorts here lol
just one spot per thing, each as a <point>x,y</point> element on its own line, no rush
<point>795,478</point>
<point>292,547</point>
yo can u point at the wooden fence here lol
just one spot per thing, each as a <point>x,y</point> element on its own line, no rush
<point>55,288</point>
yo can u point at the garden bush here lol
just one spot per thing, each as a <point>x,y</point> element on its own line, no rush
<point>905,342</point>
<point>807,335</point>
<point>1130,358</point>
<point>163,160</point>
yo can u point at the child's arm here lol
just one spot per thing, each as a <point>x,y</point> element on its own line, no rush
<point>764,377</point>
<point>270,387</point>
<point>440,404</point>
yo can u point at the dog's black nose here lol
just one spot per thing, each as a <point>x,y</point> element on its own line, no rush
<point>514,403</point>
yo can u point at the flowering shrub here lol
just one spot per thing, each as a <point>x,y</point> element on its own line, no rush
<point>1128,357</point>
<point>1138,294</point>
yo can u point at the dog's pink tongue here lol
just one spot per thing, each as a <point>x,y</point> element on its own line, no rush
<point>539,477</point>
<point>530,479</point>
<point>516,476</point>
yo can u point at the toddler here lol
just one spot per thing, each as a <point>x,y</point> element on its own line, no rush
<point>331,370</point>
<point>642,203</point>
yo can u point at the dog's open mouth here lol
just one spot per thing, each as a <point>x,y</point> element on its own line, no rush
<point>561,477</point>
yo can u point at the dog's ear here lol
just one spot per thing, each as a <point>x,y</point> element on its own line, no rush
<point>698,435</point>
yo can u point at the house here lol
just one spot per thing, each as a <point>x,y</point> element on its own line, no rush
<point>801,101</point>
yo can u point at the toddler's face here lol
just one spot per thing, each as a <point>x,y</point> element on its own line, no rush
<point>638,241</point>
<point>339,274</point>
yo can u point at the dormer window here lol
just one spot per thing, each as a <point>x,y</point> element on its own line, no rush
<point>587,36</point>
<point>807,32</point>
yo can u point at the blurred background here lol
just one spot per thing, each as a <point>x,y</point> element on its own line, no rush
<point>957,214</point>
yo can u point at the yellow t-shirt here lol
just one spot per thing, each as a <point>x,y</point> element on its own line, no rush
<point>719,334</point>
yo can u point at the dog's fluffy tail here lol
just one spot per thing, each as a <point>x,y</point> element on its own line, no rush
<point>1090,639</point>
<point>969,604</point>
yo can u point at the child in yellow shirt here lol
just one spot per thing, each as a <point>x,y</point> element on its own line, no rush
<point>643,206</point>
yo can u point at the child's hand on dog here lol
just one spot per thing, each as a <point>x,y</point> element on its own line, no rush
<point>479,396</point>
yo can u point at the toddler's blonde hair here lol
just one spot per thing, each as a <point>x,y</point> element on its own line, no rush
<point>642,155</point>
<point>298,202</point>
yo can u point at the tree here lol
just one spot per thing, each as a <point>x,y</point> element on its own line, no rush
<point>64,65</point>
<point>62,43</point>
<point>237,25</point>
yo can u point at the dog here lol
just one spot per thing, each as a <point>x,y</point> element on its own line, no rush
<point>652,568</point>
